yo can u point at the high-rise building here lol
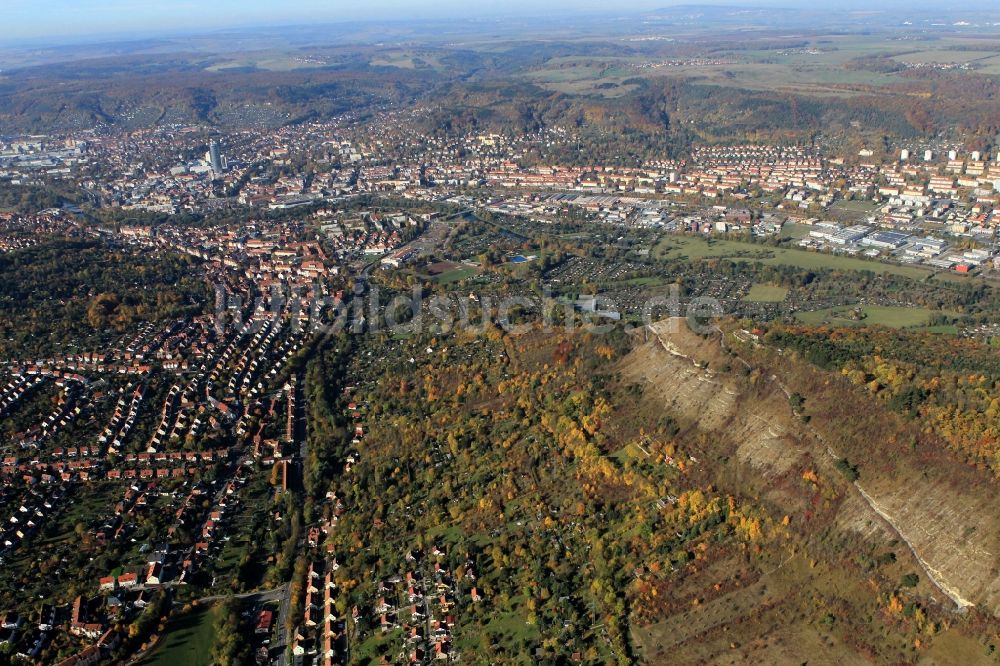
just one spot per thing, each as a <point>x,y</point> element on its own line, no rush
<point>215,158</point>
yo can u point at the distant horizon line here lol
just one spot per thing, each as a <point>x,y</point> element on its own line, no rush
<point>125,35</point>
<point>98,38</point>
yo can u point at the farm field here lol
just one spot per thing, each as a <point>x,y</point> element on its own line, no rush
<point>872,315</point>
<point>819,70</point>
<point>575,76</point>
<point>983,61</point>
<point>272,62</point>
<point>815,79</point>
<point>822,68</point>
<point>406,60</point>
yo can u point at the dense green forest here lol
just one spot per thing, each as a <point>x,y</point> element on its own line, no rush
<point>33,198</point>
<point>88,292</point>
<point>951,385</point>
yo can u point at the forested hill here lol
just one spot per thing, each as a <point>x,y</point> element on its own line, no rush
<point>86,291</point>
<point>661,95</point>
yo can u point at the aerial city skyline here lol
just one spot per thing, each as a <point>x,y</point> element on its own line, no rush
<point>563,333</point>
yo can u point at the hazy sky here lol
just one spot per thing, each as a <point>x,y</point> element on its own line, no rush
<point>31,19</point>
<point>39,18</point>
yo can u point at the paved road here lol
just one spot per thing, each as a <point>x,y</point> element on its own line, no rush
<point>262,596</point>
<point>282,639</point>
<point>301,433</point>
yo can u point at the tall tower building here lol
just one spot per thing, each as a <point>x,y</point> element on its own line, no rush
<point>215,157</point>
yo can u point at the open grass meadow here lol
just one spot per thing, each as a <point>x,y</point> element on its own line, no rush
<point>187,641</point>
<point>694,248</point>
<point>795,230</point>
<point>872,315</point>
<point>766,293</point>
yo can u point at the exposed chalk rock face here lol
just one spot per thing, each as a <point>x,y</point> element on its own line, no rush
<point>952,534</point>
<point>951,530</point>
